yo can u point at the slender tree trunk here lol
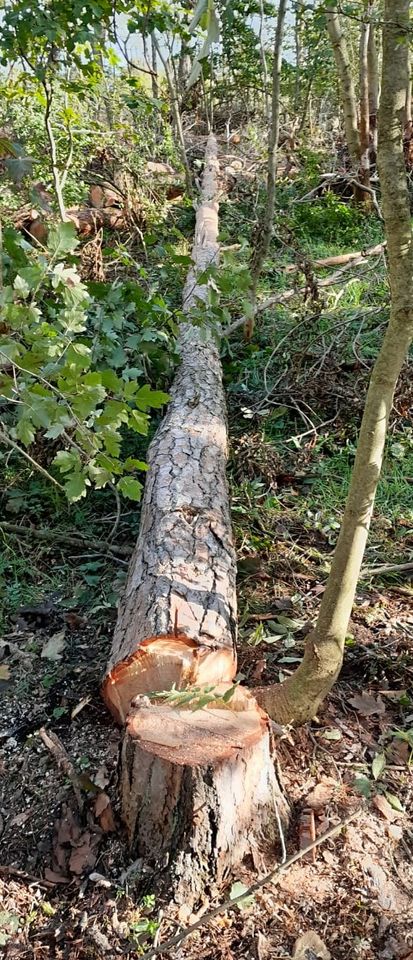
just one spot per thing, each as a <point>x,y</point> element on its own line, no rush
<point>408,101</point>
<point>267,227</point>
<point>154,61</point>
<point>198,786</point>
<point>348,94</point>
<point>364,174</point>
<point>298,53</point>
<point>53,152</point>
<point>264,68</point>
<point>299,697</point>
<point>176,114</point>
<point>373,85</point>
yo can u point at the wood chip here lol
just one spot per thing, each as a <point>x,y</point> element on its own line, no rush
<point>310,947</point>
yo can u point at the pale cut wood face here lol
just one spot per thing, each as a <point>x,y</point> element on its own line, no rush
<point>161,663</point>
<point>199,737</point>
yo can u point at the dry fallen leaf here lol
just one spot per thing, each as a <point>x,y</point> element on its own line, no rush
<point>4,672</point>
<point>20,818</point>
<point>54,646</point>
<point>103,810</point>
<point>101,777</point>
<point>307,834</point>
<point>367,705</point>
<point>55,877</point>
<point>82,856</point>
<point>310,947</point>
<point>385,808</point>
<point>322,794</point>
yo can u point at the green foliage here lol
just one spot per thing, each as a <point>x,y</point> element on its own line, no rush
<point>331,219</point>
<point>66,376</point>
<point>194,698</point>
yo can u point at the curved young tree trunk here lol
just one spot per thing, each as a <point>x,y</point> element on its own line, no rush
<point>299,697</point>
<point>348,93</point>
<point>198,786</point>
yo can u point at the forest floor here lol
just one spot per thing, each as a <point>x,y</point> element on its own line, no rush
<point>69,888</point>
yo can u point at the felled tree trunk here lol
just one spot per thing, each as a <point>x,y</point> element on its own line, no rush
<point>197,785</point>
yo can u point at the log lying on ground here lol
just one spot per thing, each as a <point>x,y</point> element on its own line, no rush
<point>177,620</point>
<point>198,786</point>
<point>340,259</point>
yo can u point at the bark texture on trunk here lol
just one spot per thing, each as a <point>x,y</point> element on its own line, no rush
<point>267,225</point>
<point>199,788</point>
<point>374,85</point>
<point>179,606</point>
<point>198,779</point>
<point>365,107</point>
<point>348,94</point>
<point>299,697</point>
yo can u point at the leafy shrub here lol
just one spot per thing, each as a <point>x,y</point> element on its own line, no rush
<point>74,363</point>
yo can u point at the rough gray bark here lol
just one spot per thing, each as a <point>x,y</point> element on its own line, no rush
<point>181,582</point>
<point>299,697</point>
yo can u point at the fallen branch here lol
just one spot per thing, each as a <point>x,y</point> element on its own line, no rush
<point>386,568</point>
<point>101,546</point>
<point>231,903</point>
<point>340,259</point>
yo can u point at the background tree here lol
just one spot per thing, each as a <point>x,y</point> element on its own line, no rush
<point>299,697</point>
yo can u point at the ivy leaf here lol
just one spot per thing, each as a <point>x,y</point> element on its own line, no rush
<point>62,239</point>
<point>394,802</point>
<point>363,786</point>
<point>237,890</point>
<point>130,488</point>
<point>21,287</point>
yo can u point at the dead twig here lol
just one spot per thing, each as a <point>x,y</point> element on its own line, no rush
<point>101,546</point>
<point>56,748</point>
<point>386,568</point>
<point>230,904</point>
<point>7,871</point>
